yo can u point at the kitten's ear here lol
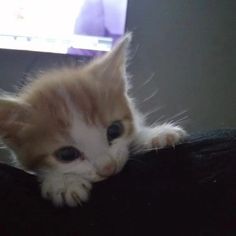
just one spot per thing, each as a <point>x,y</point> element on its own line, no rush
<point>113,64</point>
<point>13,115</point>
<point>117,57</point>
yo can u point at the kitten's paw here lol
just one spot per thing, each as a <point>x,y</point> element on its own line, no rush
<point>67,189</point>
<point>166,135</point>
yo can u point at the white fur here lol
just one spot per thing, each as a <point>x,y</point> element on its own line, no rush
<point>70,183</point>
<point>65,188</point>
<point>67,179</point>
<point>158,137</point>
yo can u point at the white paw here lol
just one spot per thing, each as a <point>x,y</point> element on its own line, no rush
<point>166,135</point>
<point>65,189</point>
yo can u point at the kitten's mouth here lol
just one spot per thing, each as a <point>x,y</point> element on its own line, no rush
<point>108,171</point>
<point>103,176</point>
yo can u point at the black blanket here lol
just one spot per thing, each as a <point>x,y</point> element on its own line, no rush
<point>188,190</point>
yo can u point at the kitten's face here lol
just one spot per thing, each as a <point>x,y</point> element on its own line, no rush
<point>73,120</point>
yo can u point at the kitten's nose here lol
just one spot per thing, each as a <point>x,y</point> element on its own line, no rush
<point>107,170</point>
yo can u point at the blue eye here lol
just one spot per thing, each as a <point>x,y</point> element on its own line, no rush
<point>114,131</point>
<point>67,154</point>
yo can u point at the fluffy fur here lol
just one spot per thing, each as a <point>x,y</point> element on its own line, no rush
<point>74,107</point>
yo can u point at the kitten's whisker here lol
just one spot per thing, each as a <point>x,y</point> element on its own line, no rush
<point>134,53</point>
<point>178,114</point>
<point>2,146</point>
<point>136,148</point>
<point>151,96</point>
<point>157,122</point>
<point>150,149</point>
<point>175,121</point>
<point>147,114</point>
<point>181,120</point>
<point>136,160</point>
<point>147,81</point>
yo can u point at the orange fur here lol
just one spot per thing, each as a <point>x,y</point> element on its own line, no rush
<point>91,89</point>
<point>85,115</point>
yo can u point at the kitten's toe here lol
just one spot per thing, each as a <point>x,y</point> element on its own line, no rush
<point>167,135</point>
<point>77,192</point>
<point>71,190</point>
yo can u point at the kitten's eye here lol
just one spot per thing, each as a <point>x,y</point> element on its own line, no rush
<point>67,154</point>
<point>114,131</point>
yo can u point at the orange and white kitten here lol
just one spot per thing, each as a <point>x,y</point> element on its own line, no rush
<point>74,126</point>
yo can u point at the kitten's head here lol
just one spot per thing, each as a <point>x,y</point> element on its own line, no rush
<point>73,120</point>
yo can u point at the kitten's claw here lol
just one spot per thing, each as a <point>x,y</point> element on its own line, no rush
<point>166,135</point>
<point>67,189</point>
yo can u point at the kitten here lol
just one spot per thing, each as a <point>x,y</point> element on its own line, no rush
<point>74,126</point>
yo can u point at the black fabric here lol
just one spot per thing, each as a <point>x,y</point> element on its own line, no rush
<point>189,190</point>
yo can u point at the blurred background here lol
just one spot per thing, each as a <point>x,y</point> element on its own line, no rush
<point>183,62</point>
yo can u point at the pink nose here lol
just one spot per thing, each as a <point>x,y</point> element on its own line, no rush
<point>107,170</point>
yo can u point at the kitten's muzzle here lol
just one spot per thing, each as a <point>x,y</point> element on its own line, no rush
<point>107,170</point>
